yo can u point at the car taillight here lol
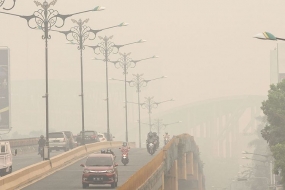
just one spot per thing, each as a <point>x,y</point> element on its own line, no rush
<point>94,136</point>
<point>63,139</point>
<point>103,138</point>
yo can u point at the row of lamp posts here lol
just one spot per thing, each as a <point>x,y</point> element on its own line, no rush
<point>46,18</point>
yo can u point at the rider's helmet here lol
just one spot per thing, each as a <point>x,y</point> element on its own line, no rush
<point>166,133</point>
<point>150,134</point>
<point>154,134</point>
<point>124,144</point>
<point>42,136</point>
<point>102,151</point>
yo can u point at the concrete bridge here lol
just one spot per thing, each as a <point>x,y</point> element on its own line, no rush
<point>176,166</point>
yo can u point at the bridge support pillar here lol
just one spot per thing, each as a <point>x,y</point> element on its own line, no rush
<point>171,179</point>
<point>182,171</point>
<point>189,164</point>
<point>200,182</point>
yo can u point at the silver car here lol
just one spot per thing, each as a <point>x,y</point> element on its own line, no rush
<point>58,141</point>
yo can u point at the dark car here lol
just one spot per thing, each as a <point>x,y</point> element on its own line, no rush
<point>89,137</point>
<point>100,169</point>
<point>72,141</point>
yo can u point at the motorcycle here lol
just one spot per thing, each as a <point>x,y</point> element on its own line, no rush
<point>166,140</point>
<point>151,148</point>
<point>125,157</point>
<point>41,151</point>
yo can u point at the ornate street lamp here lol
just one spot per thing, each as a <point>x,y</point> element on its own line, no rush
<point>125,62</point>
<point>159,125</point>
<point>2,3</point>
<point>46,18</point>
<point>78,35</point>
<point>106,47</point>
<point>138,81</point>
<point>269,36</point>
<point>150,104</point>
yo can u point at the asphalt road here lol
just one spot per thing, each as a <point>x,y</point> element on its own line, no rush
<point>70,177</point>
<point>24,160</point>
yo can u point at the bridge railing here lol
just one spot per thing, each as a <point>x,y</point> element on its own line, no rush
<point>148,175</point>
<point>22,142</point>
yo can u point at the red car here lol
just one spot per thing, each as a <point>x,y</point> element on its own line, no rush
<point>100,169</point>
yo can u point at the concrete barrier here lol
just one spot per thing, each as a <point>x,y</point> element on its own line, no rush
<point>25,175</point>
<point>132,144</point>
<point>61,159</point>
<point>30,173</point>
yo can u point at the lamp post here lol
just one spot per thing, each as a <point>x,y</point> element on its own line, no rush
<point>150,104</point>
<point>138,81</point>
<point>7,9</point>
<point>269,36</point>
<point>106,48</point>
<point>125,62</point>
<point>46,18</point>
<point>78,35</point>
<point>158,124</point>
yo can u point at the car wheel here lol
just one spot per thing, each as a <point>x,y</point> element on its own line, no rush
<point>10,170</point>
<point>85,185</point>
<point>116,185</point>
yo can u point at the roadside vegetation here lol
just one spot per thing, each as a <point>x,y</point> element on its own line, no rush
<point>274,130</point>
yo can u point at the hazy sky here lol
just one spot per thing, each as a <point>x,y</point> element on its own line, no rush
<point>205,47</point>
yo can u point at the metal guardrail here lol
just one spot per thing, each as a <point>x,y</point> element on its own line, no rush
<point>151,172</point>
<point>22,142</point>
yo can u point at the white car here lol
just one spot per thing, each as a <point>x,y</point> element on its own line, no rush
<point>102,137</point>
<point>5,158</point>
<point>58,141</point>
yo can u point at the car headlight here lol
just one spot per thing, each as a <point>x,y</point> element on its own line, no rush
<point>109,171</point>
<point>86,171</point>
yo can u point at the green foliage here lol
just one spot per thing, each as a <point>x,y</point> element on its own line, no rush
<point>278,151</point>
<point>274,109</point>
<point>274,131</point>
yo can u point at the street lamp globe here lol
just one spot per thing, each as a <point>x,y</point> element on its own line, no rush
<point>99,8</point>
<point>123,24</point>
<point>141,41</point>
<point>265,36</point>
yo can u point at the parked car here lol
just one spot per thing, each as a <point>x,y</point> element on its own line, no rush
<point>5,158</point>
<point>102,137</point>
<point>89,137</point>
<point>72,141</point>
<point>58,141</point>
<point>100,169</point>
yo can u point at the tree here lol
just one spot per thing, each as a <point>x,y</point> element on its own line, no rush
<point>274,131</point>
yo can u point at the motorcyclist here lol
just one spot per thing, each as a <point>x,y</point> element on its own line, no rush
<point>150,139</point>
<point>102,151</point>
<point>125,147</point>
<point>166,137</point>
<point>156,138</point>
<point>109,151</point>
<point>41,143</point>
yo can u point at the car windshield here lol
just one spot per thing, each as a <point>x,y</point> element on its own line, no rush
<point>88,133</point>
<point>100,136</point>
<point>55,135</point>
<point>68,134</point>
<point>99,161</point>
